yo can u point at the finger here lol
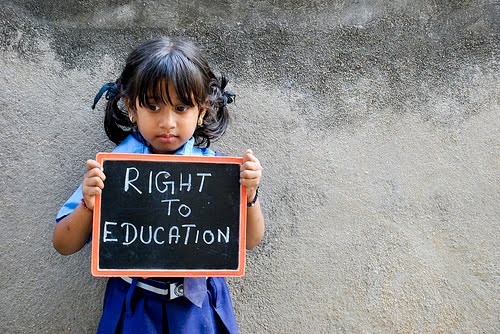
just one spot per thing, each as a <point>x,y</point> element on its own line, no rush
<point>91,164</point>
<point>96,172</point>
<point>91,191</point>
<point>252,165</point>
<point>249,156</point>
<point>249,165</point>
<point>250,175</point>
<point>94,182</point>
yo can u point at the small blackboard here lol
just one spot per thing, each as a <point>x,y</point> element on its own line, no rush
<point>169,216</point>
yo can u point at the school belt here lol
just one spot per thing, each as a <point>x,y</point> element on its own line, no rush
<point>173,290</point>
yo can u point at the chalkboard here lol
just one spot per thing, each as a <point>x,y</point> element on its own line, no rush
<point>169,216</point>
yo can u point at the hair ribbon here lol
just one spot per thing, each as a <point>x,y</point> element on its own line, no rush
<point>111,91</point>
<point>228,97</point>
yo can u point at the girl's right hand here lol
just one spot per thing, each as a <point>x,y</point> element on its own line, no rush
<point>93,183</point>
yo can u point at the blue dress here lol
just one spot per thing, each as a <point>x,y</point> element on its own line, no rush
<point>129,308</point>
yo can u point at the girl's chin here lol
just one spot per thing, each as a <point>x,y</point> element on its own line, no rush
<point>163,149</point>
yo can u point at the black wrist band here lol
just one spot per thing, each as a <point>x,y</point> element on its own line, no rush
<point>252,203</point>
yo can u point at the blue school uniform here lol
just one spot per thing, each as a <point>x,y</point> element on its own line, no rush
<point>137,305</point>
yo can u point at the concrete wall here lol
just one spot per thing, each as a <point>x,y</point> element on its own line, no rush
<point>377,124</point>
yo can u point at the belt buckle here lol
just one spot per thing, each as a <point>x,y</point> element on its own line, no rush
<point>176,290</point>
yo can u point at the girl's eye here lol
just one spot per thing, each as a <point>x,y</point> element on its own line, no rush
<point>153,107</point>
<point>181,108</point>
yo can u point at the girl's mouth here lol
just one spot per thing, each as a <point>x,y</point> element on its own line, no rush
<point>168,138</point>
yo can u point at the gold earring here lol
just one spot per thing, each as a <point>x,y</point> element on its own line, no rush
<point>132,119</point>
<point>200,121</point>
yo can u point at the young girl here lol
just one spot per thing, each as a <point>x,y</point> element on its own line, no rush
<point>168,101</point>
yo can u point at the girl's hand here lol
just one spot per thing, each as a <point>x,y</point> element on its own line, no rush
<point>250,174</point>
<point>93,183</point>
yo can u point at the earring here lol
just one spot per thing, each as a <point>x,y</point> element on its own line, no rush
<point>200,121</point>
<point>132,120</point>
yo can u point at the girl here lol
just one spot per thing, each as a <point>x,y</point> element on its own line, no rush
<point>168,101</point>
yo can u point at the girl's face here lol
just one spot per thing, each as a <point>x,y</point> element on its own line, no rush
<point>166,127</point>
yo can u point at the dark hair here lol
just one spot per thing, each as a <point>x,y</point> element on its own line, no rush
<point>149,69</point>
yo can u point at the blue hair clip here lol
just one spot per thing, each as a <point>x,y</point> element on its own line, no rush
<point>111,91</point>
<point>228,97</point>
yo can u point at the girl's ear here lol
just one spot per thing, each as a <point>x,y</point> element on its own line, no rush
<point>131,116</point>
<point>203,108</point>
<point>202,115</point>
<point>131,111</point>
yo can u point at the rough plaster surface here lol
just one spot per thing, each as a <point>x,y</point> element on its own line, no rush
<point>377,124</point>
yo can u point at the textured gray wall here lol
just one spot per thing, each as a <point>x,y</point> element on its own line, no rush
<point>377,124</point>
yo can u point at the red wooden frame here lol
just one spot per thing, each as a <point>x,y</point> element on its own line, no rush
<point>96,271</point>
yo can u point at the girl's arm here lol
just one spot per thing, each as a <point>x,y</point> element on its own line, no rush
<point>251,173</point>
<point>73,231</point>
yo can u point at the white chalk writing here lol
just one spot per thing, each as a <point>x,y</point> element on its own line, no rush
<point>163,182</point>
<point>128,233</point>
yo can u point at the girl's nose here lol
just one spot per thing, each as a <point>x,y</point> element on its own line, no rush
<point>167,119</point>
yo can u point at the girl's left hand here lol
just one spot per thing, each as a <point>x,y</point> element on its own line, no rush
<point>250,174</point>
